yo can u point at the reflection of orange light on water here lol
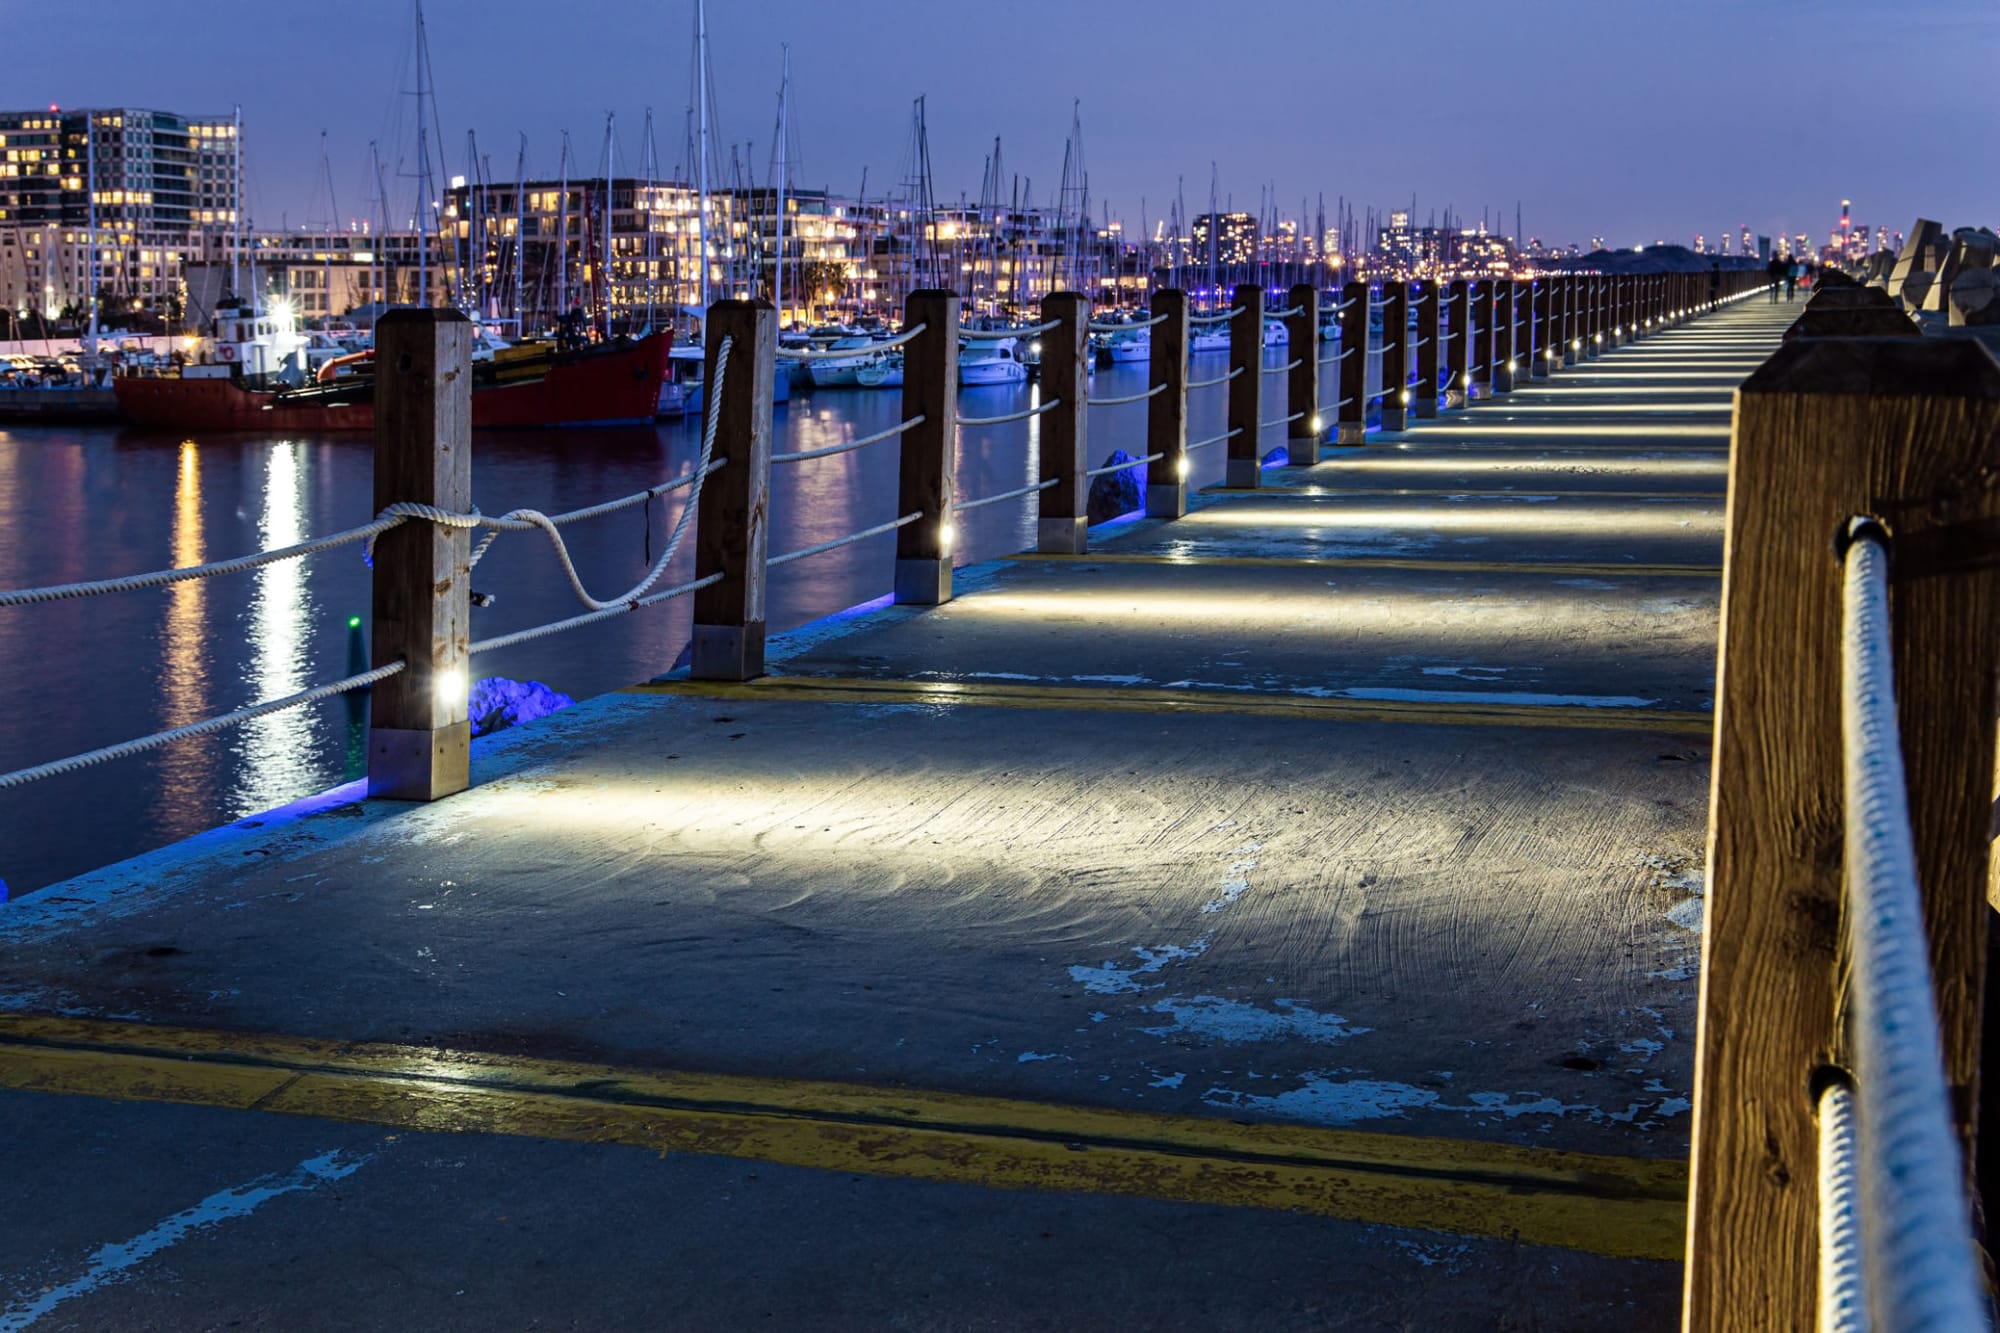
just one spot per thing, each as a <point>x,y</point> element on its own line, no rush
<point>278,750</point>
<point>185,686</point>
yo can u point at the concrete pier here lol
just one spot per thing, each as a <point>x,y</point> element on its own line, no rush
<point>1282,916</point>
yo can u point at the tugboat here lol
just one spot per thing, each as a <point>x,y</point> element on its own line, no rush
<point>249,374</point>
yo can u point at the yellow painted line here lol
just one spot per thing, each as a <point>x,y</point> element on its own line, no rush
<point>1127,699</point>
<point>1552,568</point>
<point>1618,1206</point>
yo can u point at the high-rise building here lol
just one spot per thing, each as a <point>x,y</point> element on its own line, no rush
<point>1235,233</point>
<point>157,188</point>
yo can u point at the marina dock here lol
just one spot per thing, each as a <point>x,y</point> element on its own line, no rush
<point>1278,916</point>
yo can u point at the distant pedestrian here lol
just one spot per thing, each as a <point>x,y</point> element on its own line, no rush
<point>1776,271</point>
<point>1792,273</point>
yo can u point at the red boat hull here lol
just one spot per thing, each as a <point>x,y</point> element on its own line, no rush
<point>598,387</point>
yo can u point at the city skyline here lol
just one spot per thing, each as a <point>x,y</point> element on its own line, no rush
<point>1752,138</point>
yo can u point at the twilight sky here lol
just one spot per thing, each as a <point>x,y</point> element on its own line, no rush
<point>1627,119</point>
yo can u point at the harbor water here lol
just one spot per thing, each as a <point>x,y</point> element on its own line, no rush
<point>89,502</point>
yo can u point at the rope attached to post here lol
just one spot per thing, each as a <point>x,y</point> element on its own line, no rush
<point>829,451</point>
<point>1014,494</point>
<point>1219,379</point>
<point>848,540</point>
<point>1022,415</point>
<point>998,335</point>
<point>1218,316</point>
<point>1109,468</point>
<point>1915,1221</point>
<point>850,353</point>
<point>1128,398</point>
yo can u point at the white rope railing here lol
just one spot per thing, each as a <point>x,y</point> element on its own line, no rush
<point>1336,405</point>
<point>848,353</point>
<point>1128,398</point>
<point>589,617</point>
<point>1219,379</point>
<point>1843,1287</point>
<point>1921,1273</point>
<point>521,520</point>
<point>1218,316</point>
<point>1342,305</point>
<point>1338,356</point>
<point>849,446</point>
<point>1286,313</point>
<point>22,776</point>
<point>839,542</point>
<point>1109,468</point>
<point>1014,494</point>
<point>165,577</point>
<point>1021,415</point>
<point>1286,368</point>
<point>996,335</point>
<point>1215,439</point>
<point>1128,327</point>
<point>1281,421</point>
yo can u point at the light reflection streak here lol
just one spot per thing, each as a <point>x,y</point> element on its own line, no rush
<point>276,752</point>
<point>1584,464</point>
<point>185,694</point>
<point>1568,516</point>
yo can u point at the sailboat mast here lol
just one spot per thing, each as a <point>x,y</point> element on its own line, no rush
<point>423,171</point>
<point>604,260</point>
<point>701,145</point>
<point>520,231</point>
<point>90,193</point>
<point>562,234</point>
<point>782,183</point>
<point>236,213</point>
<point>649,151</point>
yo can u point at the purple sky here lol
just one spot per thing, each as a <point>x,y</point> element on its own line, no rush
<point>1631,121</point>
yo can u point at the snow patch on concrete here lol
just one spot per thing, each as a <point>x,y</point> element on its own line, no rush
<point>1218,1019</point>
<point>1236,880</point>
<point>1323,1099</point>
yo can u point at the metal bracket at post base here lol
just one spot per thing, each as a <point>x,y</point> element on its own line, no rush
<point>1062,536</point>
<point>419,765</point>
<point>1244,474</point>
<point>922,582</point>
<point>1167,501</point>
<point>727,652</point>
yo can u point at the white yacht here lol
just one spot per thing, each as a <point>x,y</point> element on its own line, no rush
<point>981,364</point>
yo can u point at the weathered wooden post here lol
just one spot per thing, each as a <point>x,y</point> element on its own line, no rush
<point>1246,387</point>
<point>1458,345</point>
<point>419,741</point>
<point>1907,432</point>
<point>732,525</point>
<point>1482,338</point>
<point>1600,315</point>
<point>1502,375</point>
<point>924,467</point>
<point>1063,528</point>
<point>1166,410</point>
<point>1542,360</point>
<point>1524,329</point>
<point>1395,356</point>
<point>1302,436</point>
<point>1568,321</point>
<point>1426,344</point>
<point>1351,411</point>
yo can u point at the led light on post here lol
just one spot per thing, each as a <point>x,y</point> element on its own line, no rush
<point>1576,344</point>
<point>947,533</point>
<point>1035,347</point>
<point>1406,398</point>
<point>1181,467</point>
<point>451,687</point>
<point>1317,424</point>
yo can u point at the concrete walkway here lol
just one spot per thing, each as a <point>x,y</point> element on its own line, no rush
<point>1281,918</point>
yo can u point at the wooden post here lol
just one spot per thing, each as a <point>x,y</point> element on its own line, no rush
<point>1541,358</point>
<point>1246,390</point>
<point>419,741</point>
<point>1906,431</point>
<point>1351,412</point>
<point>1063,528</point>
<point>1524,329</point>
<point>1426,345</point>
<point>1566,341</point>
<point>1596,290</point>
<point>1482,338</point>
<point>1302,436</point>
<point>732,526</point>
<point>1458,346</point>
<point>1501,376</point>
<point>924,469</point>
<point>1395,356</point>
<point>1166,411</point>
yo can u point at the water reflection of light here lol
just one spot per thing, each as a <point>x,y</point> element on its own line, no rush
<point>276,751</point>
<point>185,696</point>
